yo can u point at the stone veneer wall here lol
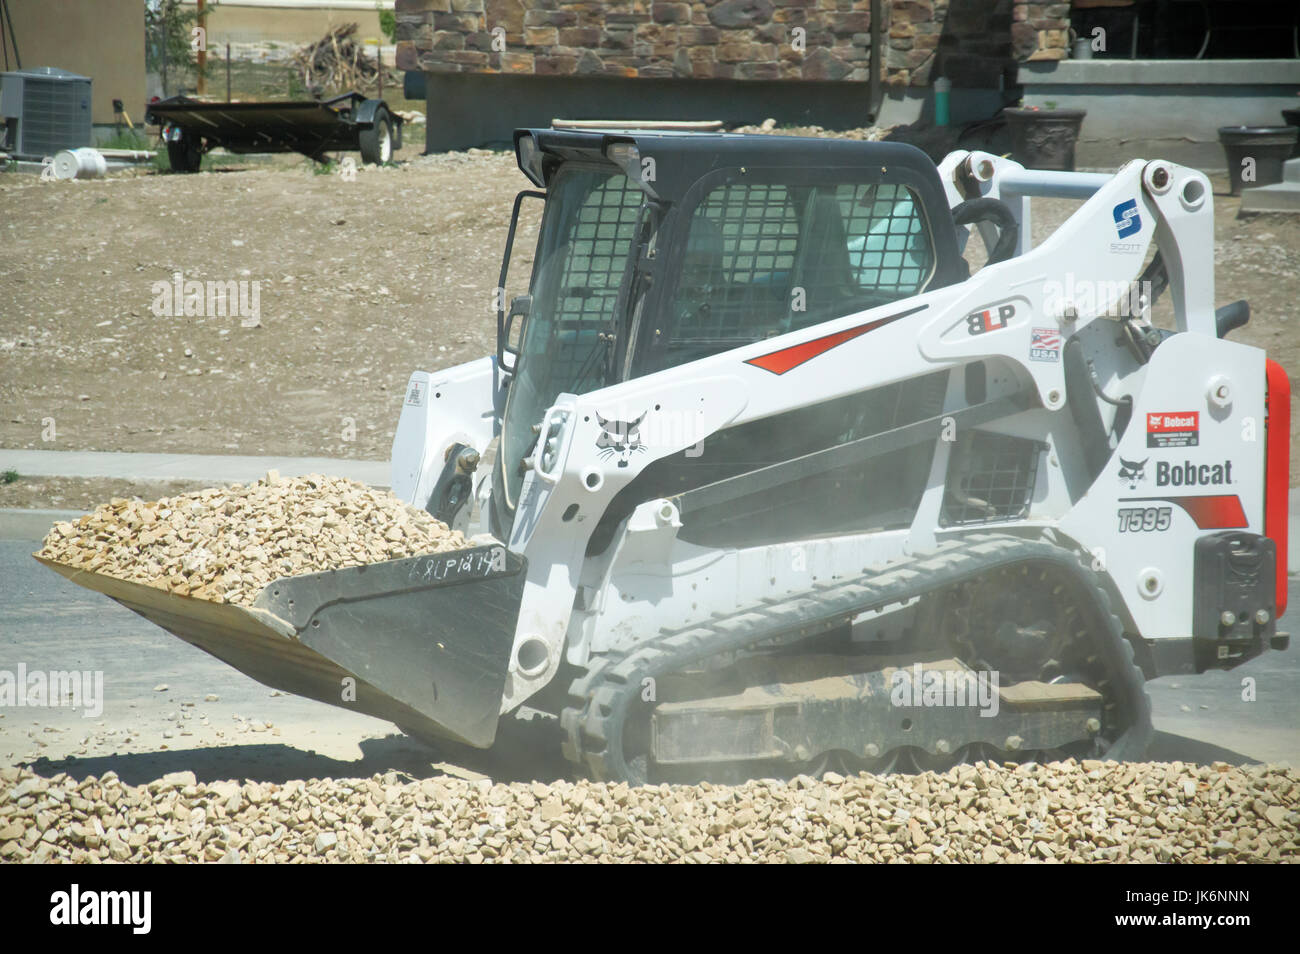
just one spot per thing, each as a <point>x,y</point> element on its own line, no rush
<point>975,43</point>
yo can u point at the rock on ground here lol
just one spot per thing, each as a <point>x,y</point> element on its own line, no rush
<point>1062,812</point>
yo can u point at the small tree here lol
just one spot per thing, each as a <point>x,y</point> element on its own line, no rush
<point>388,24</point>
<point>169,38</point>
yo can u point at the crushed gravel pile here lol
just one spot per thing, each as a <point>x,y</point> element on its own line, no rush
<point>225,544</point>
<point>1063,812</point>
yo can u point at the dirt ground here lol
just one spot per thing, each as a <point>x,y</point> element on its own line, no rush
<point>360,282</point>
<point>85,493</point>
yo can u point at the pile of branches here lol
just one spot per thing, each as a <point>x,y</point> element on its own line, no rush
<point>339,61</point>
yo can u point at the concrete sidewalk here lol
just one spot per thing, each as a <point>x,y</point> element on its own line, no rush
<point>209,468</point>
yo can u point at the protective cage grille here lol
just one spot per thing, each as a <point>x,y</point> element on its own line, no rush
<point>598,242</point>
<point>990,478</point>
<point>596,248</point>
<point>767,258</point>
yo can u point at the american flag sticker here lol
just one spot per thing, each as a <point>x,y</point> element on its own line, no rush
<point>1044,344</point>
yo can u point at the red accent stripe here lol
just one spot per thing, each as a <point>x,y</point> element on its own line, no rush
<point>1223,512</point>
<point>779,362</point>
<point>1277,469</point>
<point>1217,512</point>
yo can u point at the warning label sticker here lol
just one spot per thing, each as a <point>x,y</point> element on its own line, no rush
<point>1166,429</point>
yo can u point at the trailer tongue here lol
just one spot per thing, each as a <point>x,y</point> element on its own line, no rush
<point>423,642</point>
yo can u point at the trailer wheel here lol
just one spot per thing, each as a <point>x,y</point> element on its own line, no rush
<point>186,153</point>
<point>377,141</point>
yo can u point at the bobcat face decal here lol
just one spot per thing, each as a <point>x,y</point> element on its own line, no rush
<point>619,439</point>
<point>1133,471</point>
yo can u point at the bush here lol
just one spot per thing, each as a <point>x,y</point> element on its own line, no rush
<point>388,23</point>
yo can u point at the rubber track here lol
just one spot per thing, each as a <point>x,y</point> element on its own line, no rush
<point>599,699</point>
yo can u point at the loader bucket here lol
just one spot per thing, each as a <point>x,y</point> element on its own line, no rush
<point>423,642</point>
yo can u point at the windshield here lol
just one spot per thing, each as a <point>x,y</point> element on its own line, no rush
<point>587,233</point>
<point>767,258</point>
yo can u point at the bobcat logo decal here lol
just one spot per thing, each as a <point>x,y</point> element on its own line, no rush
<point>619,438</point>
<point>1133,471</point>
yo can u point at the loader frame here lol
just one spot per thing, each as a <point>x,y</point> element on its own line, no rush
<point>610,562</point>
<point>763,438</point>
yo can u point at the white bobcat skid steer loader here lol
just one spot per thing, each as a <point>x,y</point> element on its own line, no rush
<point>771,455</point>
<point>777,485</point>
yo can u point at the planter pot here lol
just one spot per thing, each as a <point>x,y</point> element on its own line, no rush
<point>1269,146</point>
<point>1044,138</point>
<point>1292,118</point>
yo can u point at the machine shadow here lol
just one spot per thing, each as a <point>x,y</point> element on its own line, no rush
<point>1167,747</point>
<point>526,754</point>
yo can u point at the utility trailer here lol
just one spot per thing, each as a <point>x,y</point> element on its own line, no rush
<point>312,127</point>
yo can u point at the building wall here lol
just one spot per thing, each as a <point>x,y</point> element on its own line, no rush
<point>970,40</point>
<point>483,110</point>
<point>102,39</point>
<point>711,59</point>
<point>1166,109</point>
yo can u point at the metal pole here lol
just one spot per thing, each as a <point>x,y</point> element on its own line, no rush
<point>1058,185</point>
<point>379,48</point>
<point>13,37</point>
<point>202,85</point>
<point>877,51</point>
<point>228,99</point>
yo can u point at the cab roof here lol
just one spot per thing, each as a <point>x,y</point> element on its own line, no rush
<point>683,159</point>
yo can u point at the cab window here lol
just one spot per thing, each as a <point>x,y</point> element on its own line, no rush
<point>763,259</point>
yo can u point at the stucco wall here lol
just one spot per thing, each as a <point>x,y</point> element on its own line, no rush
<point>292,24</point>
<point>102,39</point>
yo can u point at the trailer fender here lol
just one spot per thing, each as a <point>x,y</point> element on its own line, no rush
<point>369,110</point>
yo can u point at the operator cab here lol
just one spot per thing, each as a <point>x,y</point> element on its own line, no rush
<point>660,248</point>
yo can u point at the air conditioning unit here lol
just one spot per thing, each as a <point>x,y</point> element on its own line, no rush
<point>45,110</point>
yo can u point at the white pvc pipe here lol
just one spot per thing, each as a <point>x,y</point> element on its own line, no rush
<point>127,155</point>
